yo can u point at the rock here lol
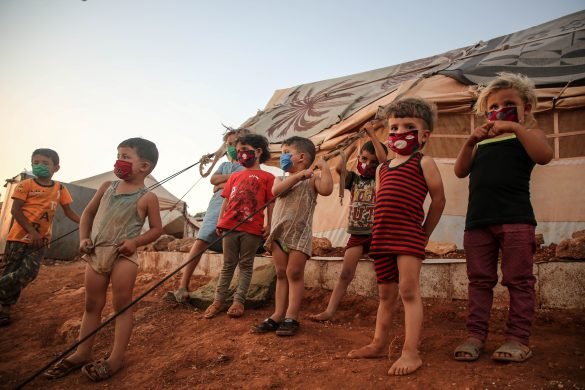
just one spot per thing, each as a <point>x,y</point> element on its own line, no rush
<point>182,245</point>
<point>70,329</point>
<point>321,246</point>
<point>440,248</point>
<point>573,248</point>
<point>579,233</point>
<point>162,244</point>
<point>539,239</point>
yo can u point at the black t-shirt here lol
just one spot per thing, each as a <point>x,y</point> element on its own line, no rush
<point>499,185</point>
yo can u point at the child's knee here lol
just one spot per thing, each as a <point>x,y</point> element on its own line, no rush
<point>295,275</point>
<point>409,292</point>
<point>121,300</point>
<point>94,305</point>
<point>347,275</point>
<point>281,274</point>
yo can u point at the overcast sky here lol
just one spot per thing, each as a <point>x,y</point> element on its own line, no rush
<point>81,76</point>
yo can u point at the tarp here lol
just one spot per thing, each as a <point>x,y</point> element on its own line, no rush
<point>552,54</point>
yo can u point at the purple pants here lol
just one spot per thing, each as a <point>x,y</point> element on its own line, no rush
<point>517,243</point>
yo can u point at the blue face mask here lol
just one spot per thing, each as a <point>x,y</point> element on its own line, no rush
<point>286,161</point>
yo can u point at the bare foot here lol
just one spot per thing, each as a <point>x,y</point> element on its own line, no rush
<point>370,351</point>
<point>407,363</point>
<point>323,316</point>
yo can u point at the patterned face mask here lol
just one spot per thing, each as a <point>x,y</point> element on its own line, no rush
<point>367,171</point>
<point>404,144</point>
<point>41,170</point>
<point>503,114</point>
<point>246,158</point>
<point>123,169</point>
<point>286,161</point>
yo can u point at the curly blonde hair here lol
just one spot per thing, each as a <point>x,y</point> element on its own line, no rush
<point>506,80</point>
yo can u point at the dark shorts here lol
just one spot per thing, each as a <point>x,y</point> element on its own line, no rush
<point>357,240</point>
<point>386,267</point>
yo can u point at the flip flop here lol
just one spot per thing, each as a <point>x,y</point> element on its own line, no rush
<point>467,347</point>
<point>63,368</point>
<point>517,352</point>
<point>288,327</point>
<point>98,370</point>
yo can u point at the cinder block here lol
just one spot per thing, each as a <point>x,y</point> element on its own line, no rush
<point>434,281</point>
<point>561,285</point>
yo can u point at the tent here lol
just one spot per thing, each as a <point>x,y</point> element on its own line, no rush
<point>176,221</point>
<point>551,54</point>
<point>173,211</point>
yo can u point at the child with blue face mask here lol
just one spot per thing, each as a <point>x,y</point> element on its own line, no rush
<point>499,157</point>
<point>362,187</point>
<point>290,238</point>
<point>33,209</point>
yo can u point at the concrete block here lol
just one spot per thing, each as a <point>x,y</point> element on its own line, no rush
<point>561,285</point>
<point>314,274</point>
<point>434,281</point>
<point>364,282</point>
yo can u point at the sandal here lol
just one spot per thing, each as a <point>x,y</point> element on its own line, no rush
<point>63,368</point>
<point>98,370</point>
<point>213,310</point>
<point>181,295</point>
<point>288,327</point>
<point>236,310</point>
<point>268,325</point>
<point>517,352</point>
<point>473,349</point>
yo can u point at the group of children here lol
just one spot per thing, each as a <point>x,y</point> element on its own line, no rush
<point>386,221</point>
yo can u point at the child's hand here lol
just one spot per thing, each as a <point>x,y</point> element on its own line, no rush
<point>305,174</point>
<point>480,133</point>
<point>371,126</point>
<point>266,231</point>
<point>500,127</point>
<point>85,245</point>
<point>322,164</point>
<point>36,240</point>
<point>219,231</point>
<point>127,247</point>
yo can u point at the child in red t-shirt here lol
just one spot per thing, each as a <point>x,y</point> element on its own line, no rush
<point>244,193</point>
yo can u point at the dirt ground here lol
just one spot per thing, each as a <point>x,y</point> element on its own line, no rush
<point>174,347</point>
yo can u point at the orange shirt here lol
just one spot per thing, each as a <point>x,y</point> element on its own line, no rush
<point>40,205</point>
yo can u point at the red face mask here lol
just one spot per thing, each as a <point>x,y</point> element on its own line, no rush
<point>404,144</point>
<point>503,114</point>
<point>367,171</point>
<point>122,169</point>
<point>246,158</point>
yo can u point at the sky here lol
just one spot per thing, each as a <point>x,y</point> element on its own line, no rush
<point>81,76</point>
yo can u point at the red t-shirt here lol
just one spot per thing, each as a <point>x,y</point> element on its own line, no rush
<point>245,192</point>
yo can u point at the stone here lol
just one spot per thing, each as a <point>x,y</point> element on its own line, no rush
<point>70,329</point>
<point>321,246</point>
<point>162,243</point>
<point>579,233</point>
<point>181,245</point>
<point>539,239</point>
<point>572,248</point>
<point>440,248</point>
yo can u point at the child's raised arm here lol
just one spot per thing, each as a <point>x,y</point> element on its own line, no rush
<point>436,192</point>
<point>462,166</point>
<point>281,185</point>
<point>87,216</point>
<point>349,152</point>
<point>323,184</point>
<point>148,204</point>
<point>371,127</point>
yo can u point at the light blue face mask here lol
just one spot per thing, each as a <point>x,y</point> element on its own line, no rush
<point>41,171</point>
<point>286,161</point>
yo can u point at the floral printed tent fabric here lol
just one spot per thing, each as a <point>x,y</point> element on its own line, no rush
<point>552,54</point>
